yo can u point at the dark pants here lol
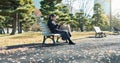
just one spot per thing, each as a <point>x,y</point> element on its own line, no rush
<point>64,34</point>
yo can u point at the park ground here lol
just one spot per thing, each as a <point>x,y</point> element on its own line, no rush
<point>88,49</point>
<point>34,37</point>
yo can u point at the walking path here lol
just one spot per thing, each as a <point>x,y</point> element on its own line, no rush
<point>88,50</point>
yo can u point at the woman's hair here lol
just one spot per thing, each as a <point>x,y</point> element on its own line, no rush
<point>51,15</point>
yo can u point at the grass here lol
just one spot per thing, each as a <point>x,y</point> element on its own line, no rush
<point>34,37</point>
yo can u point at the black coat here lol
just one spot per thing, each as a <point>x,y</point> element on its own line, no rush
<point>54,28</point>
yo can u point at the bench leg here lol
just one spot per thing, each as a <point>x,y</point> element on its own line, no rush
<point>101,35</point>
<point>44,38</point>
<point>104,35</point>
<point>53,39</point>
<point>95,34</point>
<point>98,35</point>
<point>57,39</point>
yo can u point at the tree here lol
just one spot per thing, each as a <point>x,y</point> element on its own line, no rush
<point>61,10</point>
<point>7,9</point>
<point>16,9</point>
<point>82,20</point>
<point>2,19</point>
<point>8,23</point>
<point>48,6</point>
<point>25,14</point>
<point>99,18</point>
<point>65,16</point>
<point>63,13</point>
<point>115,22</point>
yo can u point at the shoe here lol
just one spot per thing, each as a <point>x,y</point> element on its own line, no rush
<point>71,43</point>
<point>66,41</point>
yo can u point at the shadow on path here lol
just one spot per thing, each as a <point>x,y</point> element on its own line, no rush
<point>35,45</point>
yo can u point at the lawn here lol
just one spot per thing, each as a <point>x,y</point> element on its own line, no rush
<point>34,37</point>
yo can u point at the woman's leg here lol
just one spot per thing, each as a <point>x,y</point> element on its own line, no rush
<point>65,36</point>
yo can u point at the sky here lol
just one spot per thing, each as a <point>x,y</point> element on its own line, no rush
<point>37,4</point>
<point>115,5</point>
<point>76,4</point>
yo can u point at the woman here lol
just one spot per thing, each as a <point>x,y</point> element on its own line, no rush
<point>54,28</point>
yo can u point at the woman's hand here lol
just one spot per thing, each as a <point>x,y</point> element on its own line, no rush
<point>60,24</point>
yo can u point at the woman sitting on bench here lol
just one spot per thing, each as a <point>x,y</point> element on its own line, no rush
<point>54,28</point>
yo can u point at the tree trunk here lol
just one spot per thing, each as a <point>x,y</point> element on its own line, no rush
<point>14,25</point>
<point>81,26</point>
<point>7,30</point>
<point>20,27</point>
<point>3,31</point>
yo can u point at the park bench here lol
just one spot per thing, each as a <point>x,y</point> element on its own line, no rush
<point>99,33</point>
<point>47,33</point>
<point>116,30</point>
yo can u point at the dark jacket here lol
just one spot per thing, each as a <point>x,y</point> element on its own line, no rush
<point>52,26</point>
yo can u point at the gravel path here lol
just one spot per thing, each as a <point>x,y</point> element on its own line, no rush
<point>88,50</point>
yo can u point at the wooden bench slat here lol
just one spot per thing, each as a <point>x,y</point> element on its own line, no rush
<point>97,29</point>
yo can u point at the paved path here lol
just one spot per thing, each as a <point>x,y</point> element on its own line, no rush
<point>88,50</point>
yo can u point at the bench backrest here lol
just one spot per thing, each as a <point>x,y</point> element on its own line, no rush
<point>44,28</point>
<point>97,29</point>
